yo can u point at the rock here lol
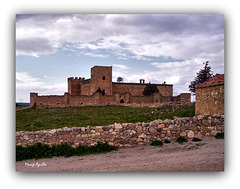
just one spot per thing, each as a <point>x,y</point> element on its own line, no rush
<point>106,128</point>
<point>131,125</point>
<point>133,131</point>
<point>127,145</point>
<point>25,137</point>
<point>183,134</point>
<point>139,128</point>
<point>205,122</point>
<point>154,124</point>
<point>214,132</point>
<point>66,136</point>
<point>190,134</point>
<point>111,143</point>
<point>206,130</point>
<point>52,131</point>
<point>93,131</point>
<point>152,130</point>
<point>18,134</point>
<point>142,135</point>
<point>84,135</point>
<point>139,139</point>
<point>118,126</point>
<point>161,126</point>
<point>134,135</point>
<point>198,135</point>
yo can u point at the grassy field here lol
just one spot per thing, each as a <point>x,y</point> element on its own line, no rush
<point>53,118</point>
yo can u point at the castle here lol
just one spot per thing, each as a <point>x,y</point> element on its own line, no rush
<point>100,90</point>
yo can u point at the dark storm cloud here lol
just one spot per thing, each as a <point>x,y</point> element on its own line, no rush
<point>175,35</point>
<point>173,23</point>
<point>40,17</point>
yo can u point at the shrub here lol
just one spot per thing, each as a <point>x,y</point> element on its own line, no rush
<point>181,140</point>
<point>40,150</point>
<point>167,141</point>
<point>196,139</point>
<point>156,143</point>
<point>219,136</point>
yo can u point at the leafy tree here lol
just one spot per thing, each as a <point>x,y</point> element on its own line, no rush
<point>119,79</point>
<point>150,89</point>
<point>203,75</point>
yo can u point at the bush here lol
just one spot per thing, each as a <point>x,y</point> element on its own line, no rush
<point>196,139</point>
<point>156,143</point>
<point>219,136</point>
<point>167,141</point>
<point>40,150</point>
<point>181,140</point>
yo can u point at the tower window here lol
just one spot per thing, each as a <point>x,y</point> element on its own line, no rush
<point>103,78</point>
<point>103,92</point>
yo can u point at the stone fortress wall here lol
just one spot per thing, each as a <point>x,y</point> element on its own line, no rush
<point>127,134</point>
<point>83,91</point>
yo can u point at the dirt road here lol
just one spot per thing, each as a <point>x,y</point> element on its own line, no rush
<point>207,155</point>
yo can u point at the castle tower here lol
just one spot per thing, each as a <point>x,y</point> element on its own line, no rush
<point>74,85</point>
<point>101,77</point>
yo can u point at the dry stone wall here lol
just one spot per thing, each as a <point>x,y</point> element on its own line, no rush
<point>127,134</point>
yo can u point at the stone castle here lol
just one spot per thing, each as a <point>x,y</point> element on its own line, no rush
<point>100,90</point>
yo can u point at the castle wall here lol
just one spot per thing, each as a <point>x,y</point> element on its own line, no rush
<point>141,99</point>
<point>165,90</point>
<point>136,89</point>
<point>85,89</point>
<point>209,100</point>
<point>53,100</point>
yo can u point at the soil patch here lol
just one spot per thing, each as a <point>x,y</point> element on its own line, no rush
<point>206,155</point>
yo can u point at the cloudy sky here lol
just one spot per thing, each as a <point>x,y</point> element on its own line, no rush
<point>154,47</point>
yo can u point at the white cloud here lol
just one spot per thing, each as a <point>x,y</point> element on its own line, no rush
<point>25,83</point>
<point>121,66</point>
<point>193,39</point>
<point>176,36</point>
<point>94,55</point>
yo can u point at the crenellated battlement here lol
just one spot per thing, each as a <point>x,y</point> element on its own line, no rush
<point>76,78</point>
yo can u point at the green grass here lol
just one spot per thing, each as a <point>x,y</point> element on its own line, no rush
<point>39,150</point>
<point>53,118</point>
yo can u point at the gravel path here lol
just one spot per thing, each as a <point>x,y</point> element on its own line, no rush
<point>207,155</point>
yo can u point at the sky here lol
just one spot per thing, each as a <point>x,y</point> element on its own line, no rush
<point>154,47</point>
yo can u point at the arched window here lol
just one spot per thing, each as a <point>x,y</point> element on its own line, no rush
<point>103,78</point>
